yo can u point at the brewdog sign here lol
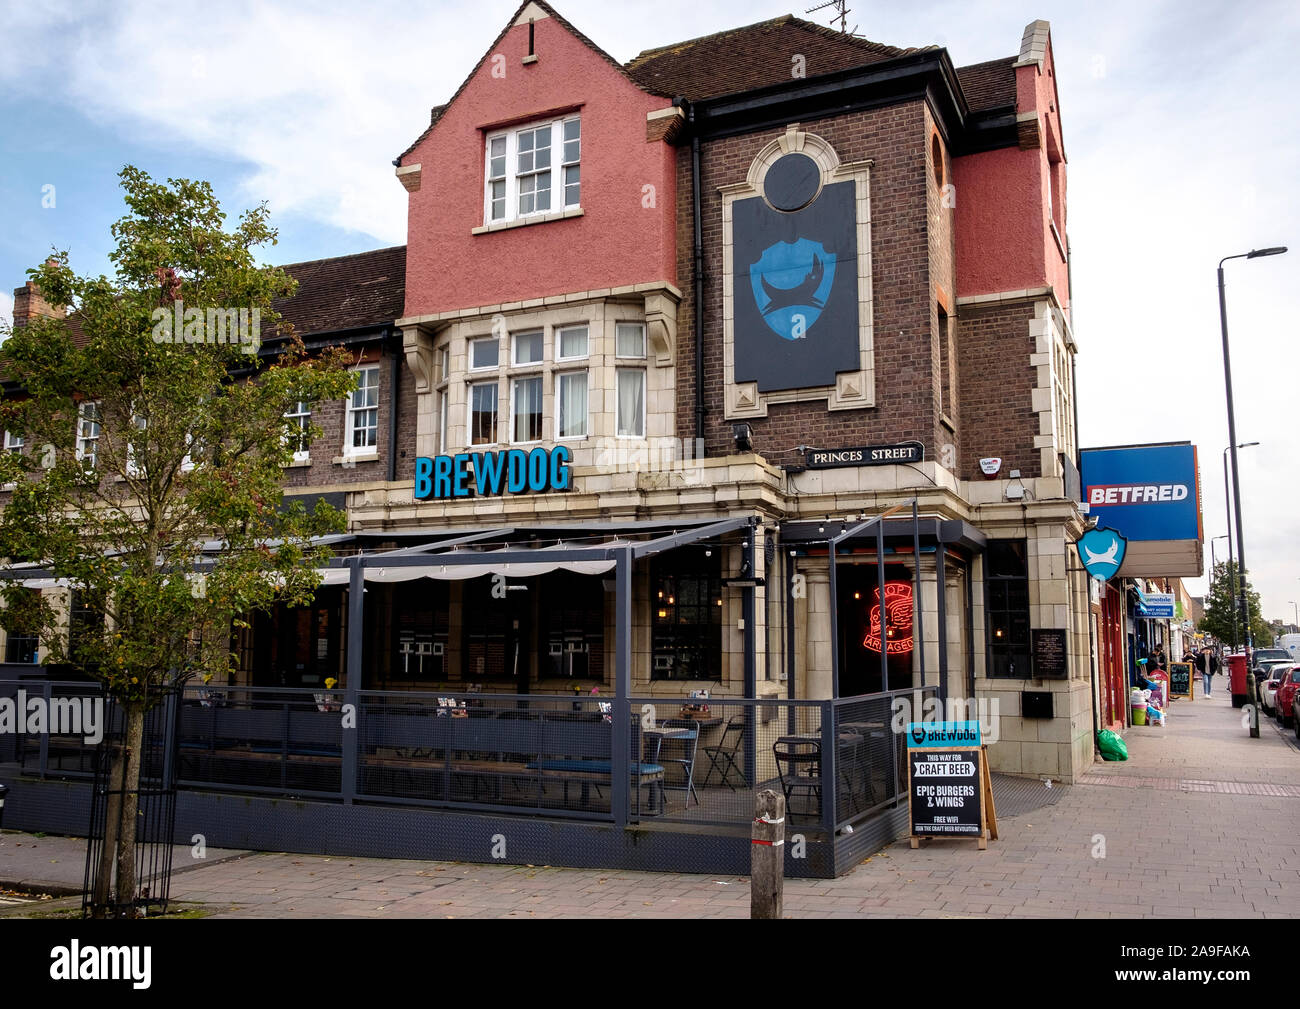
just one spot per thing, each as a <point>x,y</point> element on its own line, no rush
<point>489,474</point>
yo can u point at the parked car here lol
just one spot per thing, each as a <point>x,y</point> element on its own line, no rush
<point>1262,674</point>
<point>1260,655</point>
<point>1285,697</point>
<point>1295,712</point>
<point>1268,694</point>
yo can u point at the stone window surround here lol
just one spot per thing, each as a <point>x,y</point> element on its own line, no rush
<point>853,390</point>
<point>426,337</point>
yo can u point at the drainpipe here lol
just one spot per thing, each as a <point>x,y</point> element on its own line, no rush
<point>697,278</point>
<point>394,384</point>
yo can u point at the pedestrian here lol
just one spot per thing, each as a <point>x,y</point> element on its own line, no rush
<point>1158,658</point>
<point>1207,666</point>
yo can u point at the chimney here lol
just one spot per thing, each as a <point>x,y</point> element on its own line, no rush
<point>29,303</point>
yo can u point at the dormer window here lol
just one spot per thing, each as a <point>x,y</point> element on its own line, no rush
<point>533,170</point>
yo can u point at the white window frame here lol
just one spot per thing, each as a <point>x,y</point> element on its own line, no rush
<point>514,348</point>
<point>556,167</point>
<point>11,444</point>
<point>484,367</point>
<point>541,414</point>
<point>645,380</point>
<point>141,424</point>
<point>469,413</point>
<point>442,419</point>
<point>351,412</point>
<point>82,438</point>
<point>559,342</point>
<point>560,376</point>
<point>630,357</point>
<point>303,416</point>
<point>645,400</point>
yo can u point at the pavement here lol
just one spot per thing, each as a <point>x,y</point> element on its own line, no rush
<point>1200,822</point>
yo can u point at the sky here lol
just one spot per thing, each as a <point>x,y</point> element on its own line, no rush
<point>1179,136</point>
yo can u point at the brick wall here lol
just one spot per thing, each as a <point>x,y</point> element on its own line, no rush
<point>329,416</point>
<point>993,349</point>
<point>896,139</point>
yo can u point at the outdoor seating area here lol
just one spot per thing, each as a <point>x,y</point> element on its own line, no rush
<point>690,765</point>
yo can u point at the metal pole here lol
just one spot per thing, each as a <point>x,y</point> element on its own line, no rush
<point>1236,478</point>
<point>880,591</point>
<point>835,619</point>
<point>356,653</point>
<point>622,734</point>
<point>791,666</point>
<point>941,580</point>
<point>1232,570</point>
<point>1236,507</point>
<point>749,552</point>
<point>918,643</point>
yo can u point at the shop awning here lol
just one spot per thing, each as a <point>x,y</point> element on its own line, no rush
<point>540,561</point>
<point>456,555</point>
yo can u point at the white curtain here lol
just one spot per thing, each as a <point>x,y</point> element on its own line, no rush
<point>631,402</point>
<point>573,405</point>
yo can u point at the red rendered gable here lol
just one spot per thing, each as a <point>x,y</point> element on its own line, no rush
<point>626,232</point>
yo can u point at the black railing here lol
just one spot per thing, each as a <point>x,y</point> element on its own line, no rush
<point>838,762</point>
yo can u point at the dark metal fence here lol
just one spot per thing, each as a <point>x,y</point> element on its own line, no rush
<point>692,761</point>
<point>837,762</point>
<point>36,750</point>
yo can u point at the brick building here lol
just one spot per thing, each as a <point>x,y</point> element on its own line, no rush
<point>743,295</point>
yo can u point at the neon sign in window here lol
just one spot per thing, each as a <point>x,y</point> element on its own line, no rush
<point>898,620</point>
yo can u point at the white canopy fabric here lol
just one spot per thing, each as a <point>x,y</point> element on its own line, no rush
<point>490,565</point>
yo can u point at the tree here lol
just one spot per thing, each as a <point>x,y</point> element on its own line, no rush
<point>1223,608</point>
<point>187,453</point>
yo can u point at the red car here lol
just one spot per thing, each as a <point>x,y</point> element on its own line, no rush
<point>1284,699</point>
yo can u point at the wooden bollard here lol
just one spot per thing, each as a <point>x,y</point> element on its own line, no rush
<point>767,855</point>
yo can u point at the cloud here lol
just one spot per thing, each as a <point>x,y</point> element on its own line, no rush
<point>6,308</point>
<point>1176,129</point>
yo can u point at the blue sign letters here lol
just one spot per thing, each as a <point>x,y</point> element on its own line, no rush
<point>483,474</point>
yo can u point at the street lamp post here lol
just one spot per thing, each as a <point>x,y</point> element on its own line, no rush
<point>1235,573</point>
<point>1236,480</point>
<point>1214,564</point>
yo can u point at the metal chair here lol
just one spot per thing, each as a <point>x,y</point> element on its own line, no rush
<point>798,763</point>
<point>722,756</point>
<point>689,740</point>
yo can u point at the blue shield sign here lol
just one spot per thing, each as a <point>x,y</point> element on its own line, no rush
<point>1102,552</point>
<point>791,282</point>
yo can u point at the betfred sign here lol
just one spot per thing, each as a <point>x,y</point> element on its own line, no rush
<point>1144,492</point>
<point>1137,493</point>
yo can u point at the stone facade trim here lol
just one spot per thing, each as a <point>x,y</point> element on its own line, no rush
<point>852,390</point>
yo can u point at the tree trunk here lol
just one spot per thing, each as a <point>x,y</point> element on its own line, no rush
<point>126,881</point>
<point>112,818</point>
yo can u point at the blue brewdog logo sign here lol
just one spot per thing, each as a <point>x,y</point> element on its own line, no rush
<point>484,474</point>
<point>796,279</point>
<point>1102,552</point>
